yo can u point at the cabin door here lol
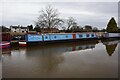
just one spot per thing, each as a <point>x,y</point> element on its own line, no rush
<point>74,36</point>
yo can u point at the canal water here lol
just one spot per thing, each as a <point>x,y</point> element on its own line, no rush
<point>80,59</point>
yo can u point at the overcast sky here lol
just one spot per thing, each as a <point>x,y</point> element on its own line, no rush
<point>26,12</point>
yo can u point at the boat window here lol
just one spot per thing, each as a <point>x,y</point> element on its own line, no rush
<point>54,36</point>
<point>80,35</point>
<point>46,37</point>
<point>87,35</point>
<point>66,36</point>
<point>92,35</point>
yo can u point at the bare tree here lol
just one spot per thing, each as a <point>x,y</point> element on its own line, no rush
<point>49,18</point>
<point>70,22</point>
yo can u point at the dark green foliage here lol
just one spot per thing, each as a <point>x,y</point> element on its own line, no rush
<point>119,30</point>
<point>30,27</point>
<point>88,28</point>
<point>103,30</point>
<point>112,26</point>
<point>37,28</point>
<point>95,29</point>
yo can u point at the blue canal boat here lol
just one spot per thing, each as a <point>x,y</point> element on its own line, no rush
<point>58,37</point>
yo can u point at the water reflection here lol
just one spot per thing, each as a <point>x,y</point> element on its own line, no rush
<point>53,48</point>
<point>55,60</point>
<point>50,56</point>
<point>61,48</point>
<point>50,49</point>
<point>110,49</point>
<point>111,46</point>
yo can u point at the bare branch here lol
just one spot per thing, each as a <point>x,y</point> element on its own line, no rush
<point>70,22</point>
<point>48,18</point>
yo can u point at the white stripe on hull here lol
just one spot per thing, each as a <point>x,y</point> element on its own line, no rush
<point>22,42</point>
<point>5,44</point>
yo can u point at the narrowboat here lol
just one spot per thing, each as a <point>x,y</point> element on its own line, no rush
<point>111,35</point>
<point>50,37</point>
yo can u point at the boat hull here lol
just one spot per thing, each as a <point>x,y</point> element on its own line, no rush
<point>22,44</point>
<point>4,44</point>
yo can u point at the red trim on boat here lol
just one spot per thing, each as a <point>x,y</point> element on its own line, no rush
<point>74,36</point>
<point>4,44</point>
<point>22,45</point>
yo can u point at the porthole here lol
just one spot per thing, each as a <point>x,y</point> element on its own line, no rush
<point>92,35</point>
<point>87,35</point>
<point>80,35</point>
<point>46,37</point>
<point>66,36</point>
<point>55,37</point>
